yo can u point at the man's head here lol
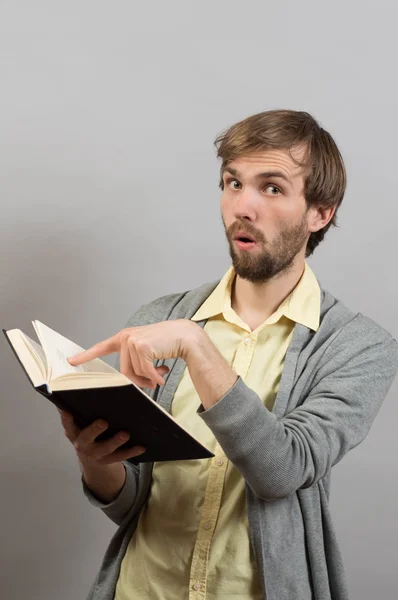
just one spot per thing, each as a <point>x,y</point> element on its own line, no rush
<point>283,179</point>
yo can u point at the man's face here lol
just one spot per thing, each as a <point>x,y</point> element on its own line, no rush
<point>271,209</point>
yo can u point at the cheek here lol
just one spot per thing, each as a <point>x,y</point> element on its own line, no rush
<point>226,209</point>
<point>283,215</point>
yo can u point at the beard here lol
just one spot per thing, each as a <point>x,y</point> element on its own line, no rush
<point>267,260</point>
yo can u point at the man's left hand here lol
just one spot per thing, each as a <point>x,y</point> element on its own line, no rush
<point>140,346</point>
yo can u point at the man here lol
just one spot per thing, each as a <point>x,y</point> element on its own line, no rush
<point>266,368</point>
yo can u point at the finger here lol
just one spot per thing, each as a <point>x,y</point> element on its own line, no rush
<point>163,370</point>
<point>125,364</point>
<point>69,425</point>
<point>126,368</point>
<point>134,361</point>
<point>102,449</point>
<point>91,432</point>
<point>120,455</point>
<point>143,364</point>
<point>103,348</point>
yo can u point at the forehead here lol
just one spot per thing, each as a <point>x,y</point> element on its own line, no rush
<point>270,160</point>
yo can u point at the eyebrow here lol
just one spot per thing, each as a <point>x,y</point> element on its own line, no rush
<point>265,175</point>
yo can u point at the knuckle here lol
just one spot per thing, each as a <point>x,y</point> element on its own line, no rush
<point>124,334</point>
<point>141,343</point>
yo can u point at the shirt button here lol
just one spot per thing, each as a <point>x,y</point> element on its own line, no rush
<point>207,525</point>
<point>219,462</point>
<point>247,341</point>
<point>197,586</point>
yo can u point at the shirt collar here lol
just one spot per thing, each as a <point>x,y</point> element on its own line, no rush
<point>302,305</point>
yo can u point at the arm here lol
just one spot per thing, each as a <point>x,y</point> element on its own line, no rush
<point>105,481</point>
<point>109,480</point>
<point>116,509</point>
<point>278,456</point>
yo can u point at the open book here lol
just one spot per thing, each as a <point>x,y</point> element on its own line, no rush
<point>96,390</point>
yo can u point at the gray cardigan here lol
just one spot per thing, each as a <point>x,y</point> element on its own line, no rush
<point>333,384</point>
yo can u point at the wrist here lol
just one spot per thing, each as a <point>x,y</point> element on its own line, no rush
<point>94,469</point>
<point>104,481</point>
<point>194,342</point>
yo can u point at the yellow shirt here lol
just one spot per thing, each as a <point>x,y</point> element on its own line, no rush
<point>192,538</point>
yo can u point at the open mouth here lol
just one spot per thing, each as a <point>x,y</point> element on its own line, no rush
<point>244,242</point>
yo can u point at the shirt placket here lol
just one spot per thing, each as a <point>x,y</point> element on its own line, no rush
<point>213,494</point>
<point>208,521</point>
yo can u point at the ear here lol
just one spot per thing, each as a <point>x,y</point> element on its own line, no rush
<point>319,217</point>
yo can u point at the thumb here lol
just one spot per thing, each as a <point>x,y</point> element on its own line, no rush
<point>163,370</point>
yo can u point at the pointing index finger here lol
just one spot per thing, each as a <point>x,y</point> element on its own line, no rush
<point>100,349</point>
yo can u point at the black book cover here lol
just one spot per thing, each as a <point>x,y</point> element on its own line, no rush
<point>126,408</point>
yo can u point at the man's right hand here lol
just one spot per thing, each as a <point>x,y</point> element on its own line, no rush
<point>92,453</point>
<point>101,462</point>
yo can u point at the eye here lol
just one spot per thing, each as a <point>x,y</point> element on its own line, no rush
<point>229,181</point>
<point>275,187</point>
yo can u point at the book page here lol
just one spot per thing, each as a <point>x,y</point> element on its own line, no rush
<point>58,348</point>
<point>26,354</point>
<point>37,353</point>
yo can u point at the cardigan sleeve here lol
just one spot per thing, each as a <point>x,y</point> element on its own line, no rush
<point>277,456</point>
<point>118,509</point>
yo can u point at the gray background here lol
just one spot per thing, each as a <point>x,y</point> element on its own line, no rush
<point>109,198</point>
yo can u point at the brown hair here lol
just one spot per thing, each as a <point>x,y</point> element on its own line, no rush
<point>324,171</point>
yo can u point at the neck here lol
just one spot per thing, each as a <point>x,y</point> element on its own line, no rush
<point>261,300</point>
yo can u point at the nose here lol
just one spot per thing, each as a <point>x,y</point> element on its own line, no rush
<point>246,204</point>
